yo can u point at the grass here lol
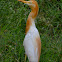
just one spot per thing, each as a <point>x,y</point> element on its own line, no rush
<point>13,16</point>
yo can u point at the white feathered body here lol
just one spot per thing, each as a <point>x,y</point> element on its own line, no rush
<point>31,43</point>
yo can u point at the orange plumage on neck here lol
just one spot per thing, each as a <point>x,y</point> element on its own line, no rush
<point>32,15</point>
<point>28,24</point>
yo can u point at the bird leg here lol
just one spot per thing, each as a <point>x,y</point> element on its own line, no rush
<point>25,58</point>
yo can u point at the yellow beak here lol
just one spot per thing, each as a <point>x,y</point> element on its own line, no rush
<point>26,2</point>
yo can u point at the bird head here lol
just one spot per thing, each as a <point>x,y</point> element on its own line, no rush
<point>32,3</point>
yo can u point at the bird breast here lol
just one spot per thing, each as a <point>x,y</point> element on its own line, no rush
<point>30,44</point>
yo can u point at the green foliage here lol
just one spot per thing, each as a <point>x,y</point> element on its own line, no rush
<point>13,16</point>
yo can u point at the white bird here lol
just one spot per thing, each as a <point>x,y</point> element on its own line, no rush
<point>32,42</point>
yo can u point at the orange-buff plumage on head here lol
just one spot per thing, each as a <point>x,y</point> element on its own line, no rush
<point>32,42</point>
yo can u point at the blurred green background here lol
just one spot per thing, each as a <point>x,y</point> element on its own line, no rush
<point>13,16</point>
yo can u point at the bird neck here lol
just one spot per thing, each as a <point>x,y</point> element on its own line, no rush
<point>30,21</point>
